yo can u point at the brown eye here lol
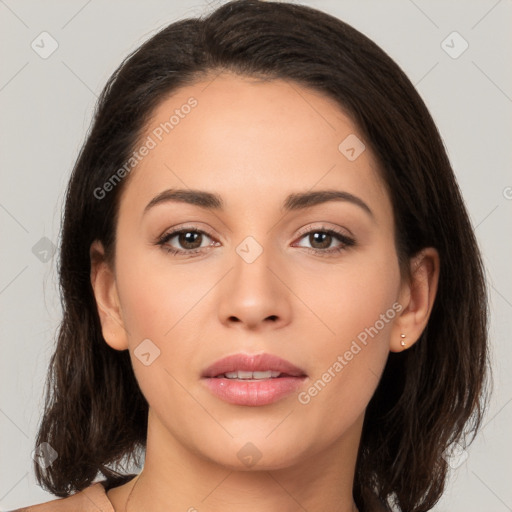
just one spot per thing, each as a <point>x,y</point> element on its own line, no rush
<point>321,238</point>
<point>189,239</point>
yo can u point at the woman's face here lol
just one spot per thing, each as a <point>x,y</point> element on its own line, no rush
<point>262,276</point>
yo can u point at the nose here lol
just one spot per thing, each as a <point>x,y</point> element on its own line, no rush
<point>254,294</point>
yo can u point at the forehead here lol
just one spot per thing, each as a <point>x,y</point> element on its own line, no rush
<point>253,141</point>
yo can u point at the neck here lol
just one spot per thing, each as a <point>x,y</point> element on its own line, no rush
<point>176,478</point>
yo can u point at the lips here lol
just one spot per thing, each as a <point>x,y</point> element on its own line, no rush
<point>253,380</point>
<point>252,363</point>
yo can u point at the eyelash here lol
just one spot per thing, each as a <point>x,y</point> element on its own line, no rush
<point>344,239</point>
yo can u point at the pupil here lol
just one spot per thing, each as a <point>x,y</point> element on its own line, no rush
<point>317,235</point>
<point>187,238</point>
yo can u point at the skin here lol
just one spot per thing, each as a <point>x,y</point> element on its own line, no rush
<point>255,142</point>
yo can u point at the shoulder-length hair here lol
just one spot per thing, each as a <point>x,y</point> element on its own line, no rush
<point>429,396</point>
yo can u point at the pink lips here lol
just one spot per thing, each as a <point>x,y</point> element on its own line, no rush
<point>252,392</point>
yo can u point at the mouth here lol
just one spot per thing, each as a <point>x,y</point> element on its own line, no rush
<point>252,366</point>
<point>252,380</point>
<point>252,376</point>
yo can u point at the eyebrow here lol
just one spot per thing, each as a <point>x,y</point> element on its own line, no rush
<point>293,202</point>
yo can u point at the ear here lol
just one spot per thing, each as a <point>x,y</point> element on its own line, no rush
<point>105,291</point>
<point>417,297</point>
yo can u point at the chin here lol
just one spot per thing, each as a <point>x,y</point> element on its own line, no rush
<point>257,455</point>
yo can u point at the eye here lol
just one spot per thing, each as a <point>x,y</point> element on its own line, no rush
<point>321,239</point>
<point>188,238</point>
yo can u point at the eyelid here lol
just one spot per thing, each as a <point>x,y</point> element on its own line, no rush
<point>323,227</point>
<point>186,227</point>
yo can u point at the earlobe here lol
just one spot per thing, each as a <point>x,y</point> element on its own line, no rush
<point>417,298</point>
<point>105,292</point>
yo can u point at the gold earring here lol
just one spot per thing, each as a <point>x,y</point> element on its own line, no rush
<point>402,342</point>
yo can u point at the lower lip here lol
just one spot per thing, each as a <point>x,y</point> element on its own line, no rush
<point>253,392</point>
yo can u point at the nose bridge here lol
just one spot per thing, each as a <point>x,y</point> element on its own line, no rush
<point>252,293</point>
<point>251,271</point>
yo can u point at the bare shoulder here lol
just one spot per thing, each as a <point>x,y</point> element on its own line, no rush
<point>91,499</point>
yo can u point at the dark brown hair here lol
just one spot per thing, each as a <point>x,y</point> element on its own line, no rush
<point>429,396</point>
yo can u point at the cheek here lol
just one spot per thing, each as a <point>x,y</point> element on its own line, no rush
<point>155,294</point>
<point>162,302</point>
<point>357,307</point>
<point>350,298</point>
<point>158,305</point>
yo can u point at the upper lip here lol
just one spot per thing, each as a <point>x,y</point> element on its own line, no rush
<point>252,363</point>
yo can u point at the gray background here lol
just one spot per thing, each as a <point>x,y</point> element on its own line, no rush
<point>47,104</point>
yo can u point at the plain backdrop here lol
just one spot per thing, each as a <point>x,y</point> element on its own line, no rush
<point>46,106</point>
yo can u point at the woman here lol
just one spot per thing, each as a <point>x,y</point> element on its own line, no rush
<point>271,286</point>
